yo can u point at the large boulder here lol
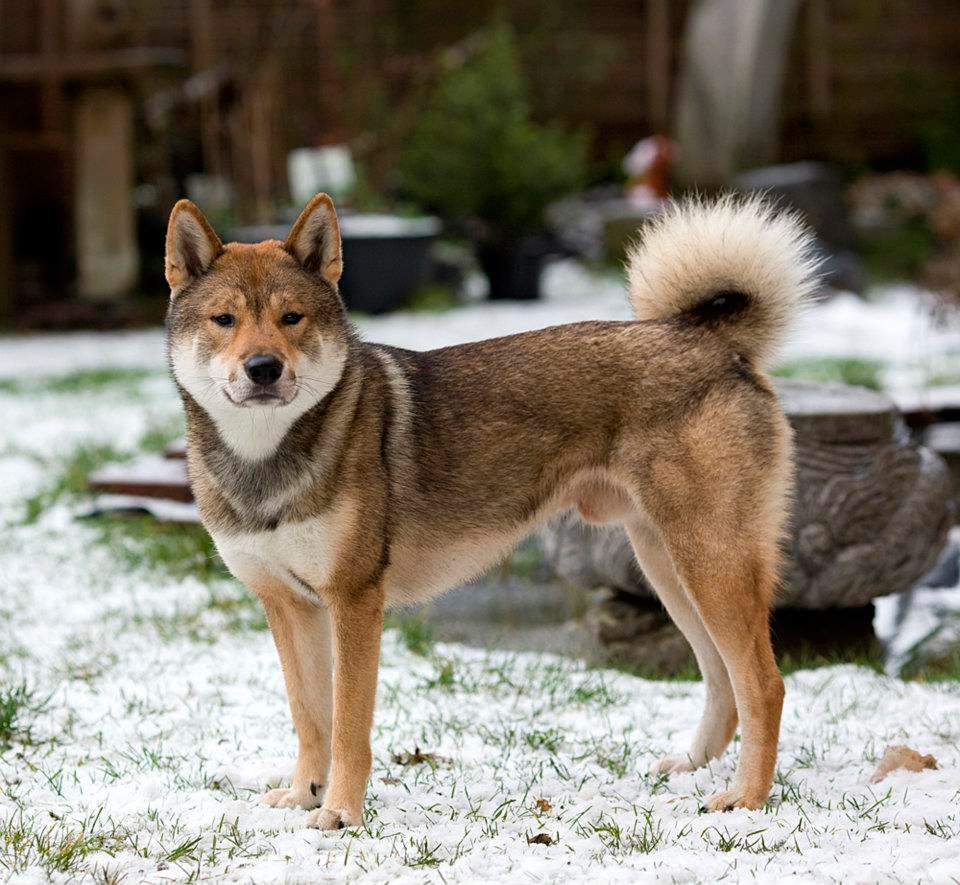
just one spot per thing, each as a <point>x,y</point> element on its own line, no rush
<point>871,513</point>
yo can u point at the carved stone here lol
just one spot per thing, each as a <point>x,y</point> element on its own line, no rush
<point>871,513</point>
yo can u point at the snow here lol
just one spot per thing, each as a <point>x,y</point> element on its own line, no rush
<point>166,715</point>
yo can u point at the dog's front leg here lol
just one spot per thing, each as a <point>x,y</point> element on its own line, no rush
<point>357,623</point>
<point>301,631</point>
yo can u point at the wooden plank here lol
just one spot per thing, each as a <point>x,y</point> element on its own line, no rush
<point>150,477</point>
<point>27,68</point>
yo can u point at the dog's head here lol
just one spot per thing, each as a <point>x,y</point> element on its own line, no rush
<point>256,328</point>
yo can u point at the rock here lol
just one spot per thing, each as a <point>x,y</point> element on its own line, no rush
<point>871,513</point>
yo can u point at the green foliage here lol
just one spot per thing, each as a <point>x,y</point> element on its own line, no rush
<point>70,479</point>
<point>178,550</point>
<point>476,153</point>
<point>838,370</point>
<point>415,632</point>
<point>900,253</point>
<point>17,703</point>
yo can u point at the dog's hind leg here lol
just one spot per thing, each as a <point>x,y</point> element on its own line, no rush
<point>731,584</point>
<point>301,631</point>
<point>719,721</point>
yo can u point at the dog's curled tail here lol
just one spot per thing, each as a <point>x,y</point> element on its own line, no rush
<point>735,265</point>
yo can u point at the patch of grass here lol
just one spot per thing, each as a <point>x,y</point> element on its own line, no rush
<point>943,669</point>
<point>547,739</point>
<point>91,379</point>
<point>842,370</point>
<point>223,612</point>
<point>18,704</point>
<point>180,550</point>
<point>415,631</point>
<point>161,433</point>
<point>69,477</point>
<point>433,298</point>
<point>57,847</point>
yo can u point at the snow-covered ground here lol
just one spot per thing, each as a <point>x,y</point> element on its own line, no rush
<point>153,713</point>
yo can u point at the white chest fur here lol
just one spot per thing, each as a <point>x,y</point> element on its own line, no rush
<point>301,555</point>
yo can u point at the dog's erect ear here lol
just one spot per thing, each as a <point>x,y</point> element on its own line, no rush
<point>191,246</point>
<point>314,239</point>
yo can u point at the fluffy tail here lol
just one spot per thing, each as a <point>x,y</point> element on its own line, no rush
<point>735,265</point>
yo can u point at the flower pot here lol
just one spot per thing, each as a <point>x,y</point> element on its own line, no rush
<point>513,267</point>
<point>386,258</point>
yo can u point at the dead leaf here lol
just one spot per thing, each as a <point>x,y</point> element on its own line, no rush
<point>390,781</point>
<point>540,839</point>
<point>901,757</point>
<point>543,805</point>
<point>417,757</point>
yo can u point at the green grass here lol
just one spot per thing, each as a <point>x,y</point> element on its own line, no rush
<point>840,370</point>
<point>18,705</point>
<point>415,631</point>
<point>82,381</point>
<point>179,550</point>
<point>69,477</point>
<point>223,612</point>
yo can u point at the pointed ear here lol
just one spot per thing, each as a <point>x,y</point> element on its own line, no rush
<point>314,239</point>
<point>191,246</point>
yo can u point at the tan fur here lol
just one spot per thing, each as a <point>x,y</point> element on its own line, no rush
<point>381,476</point>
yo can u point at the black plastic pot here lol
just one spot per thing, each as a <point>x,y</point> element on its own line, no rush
<point>513,267</point>
<point>386,258</point>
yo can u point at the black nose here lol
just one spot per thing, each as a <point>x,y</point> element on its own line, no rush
<point>263,369</point>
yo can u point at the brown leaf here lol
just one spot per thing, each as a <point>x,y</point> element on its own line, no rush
<point>417,757</point>
<point>390,781</point>
<point>543,805</point>
<point>901,757</point>
<point>540,839</point>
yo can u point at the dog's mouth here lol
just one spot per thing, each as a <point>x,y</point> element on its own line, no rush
<point>260,398</point>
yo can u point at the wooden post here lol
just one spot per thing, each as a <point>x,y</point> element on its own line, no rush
<point>105,224</point>
<point>658,63</point>
<point>6,247</point>
<point>818,56</point>
<point>204,58</point>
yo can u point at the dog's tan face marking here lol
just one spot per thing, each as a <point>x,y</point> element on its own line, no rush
<point>257,332</point>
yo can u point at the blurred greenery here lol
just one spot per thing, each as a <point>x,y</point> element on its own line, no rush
<point>838,370</point>
<point>477,154</point>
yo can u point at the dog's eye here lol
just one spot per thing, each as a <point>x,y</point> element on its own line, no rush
<point>291,319</point>
<point>223,319</point>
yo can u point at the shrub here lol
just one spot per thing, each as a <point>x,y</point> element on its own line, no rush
<point>476,154</point>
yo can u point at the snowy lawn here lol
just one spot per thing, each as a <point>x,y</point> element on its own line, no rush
<point>142,708</point>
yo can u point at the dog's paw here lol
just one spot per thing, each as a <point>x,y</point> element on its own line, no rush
<point>284,797</point>
<point>730,799</point>
<point>672,765</point>
<point>332,819</point>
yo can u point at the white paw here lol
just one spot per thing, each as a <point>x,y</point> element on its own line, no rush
<point>673,765</point>
<point>730,799</point>
<point>331,819</point>
<point>284,797</point>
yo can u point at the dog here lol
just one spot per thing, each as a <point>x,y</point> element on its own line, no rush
<point>339,477</point>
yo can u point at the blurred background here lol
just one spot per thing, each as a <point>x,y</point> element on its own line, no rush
<point>491,162</point>
<point>483,136</point>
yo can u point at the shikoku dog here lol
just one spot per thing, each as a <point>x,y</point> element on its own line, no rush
<point>338,477</point>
